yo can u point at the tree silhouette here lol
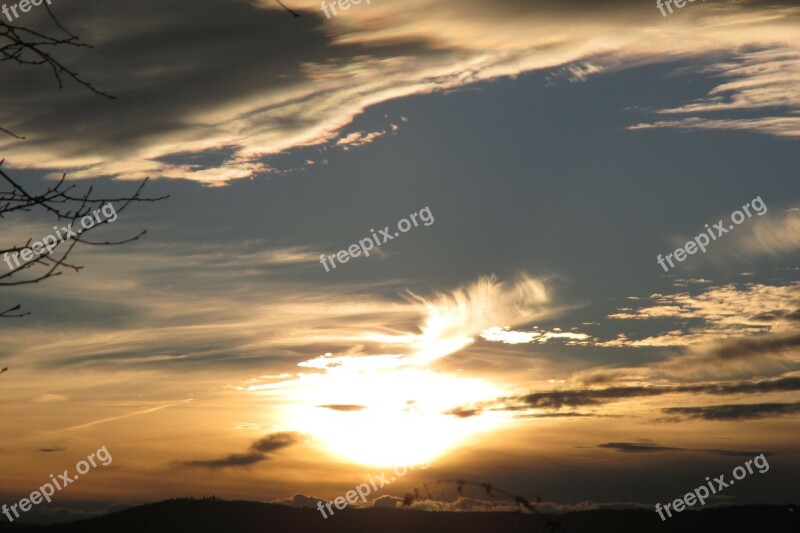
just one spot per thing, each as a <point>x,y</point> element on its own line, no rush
<point>521,502</point>
<point>25,47</point>
<point>30,48</point>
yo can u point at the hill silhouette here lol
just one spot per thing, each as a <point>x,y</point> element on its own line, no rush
<point>213,516</point>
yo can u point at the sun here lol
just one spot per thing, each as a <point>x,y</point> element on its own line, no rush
<point>390,417</point>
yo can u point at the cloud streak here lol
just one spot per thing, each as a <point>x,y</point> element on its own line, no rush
<point>645,448</point>
<point>259,451</point>
<point>731,412</point>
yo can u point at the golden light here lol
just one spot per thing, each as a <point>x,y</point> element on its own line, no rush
<point>389,418</point>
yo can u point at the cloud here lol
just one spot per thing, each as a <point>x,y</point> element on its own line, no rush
<point>719,313</point>
<point>448,323</point>
<point>476,505</point>
<point>735,411</point>
<point>463,504</point>
<point>205,111</point>
<point>766,80</point>
<point>639,448</point>
<point>401,385</point>
<point>779,127</point>
<point>453,319</point>
<point>562,414</point>
<point>53,449</point>
<point>344,408</point>
<point>387,502</point>
<point>571,398</point>
<point>508,336</point>
<point>725,331</point>
<point>636,447</point>
<point>745,347</point>
<point>231,460</point>
<point>259,451</point>
<point>273,442</point>
<point>578,398</point>
<point>461,412</point>
<point>771,236</point>
<point>359,138</point>
<point>122,417</point>
<point>50,398</point>
<point>300,500</point>
<point>737,356</point>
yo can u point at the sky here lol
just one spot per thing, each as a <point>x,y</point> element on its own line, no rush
<point>523,333</point>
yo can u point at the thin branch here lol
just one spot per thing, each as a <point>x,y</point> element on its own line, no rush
<point>27,47</point>
<point>12,134</point>
<point>287,9</point>
<point>9,313</point>
<point>62,201</point>
<point>492,492</point>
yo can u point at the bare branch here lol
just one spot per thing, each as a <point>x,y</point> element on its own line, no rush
<point>9,313</point>
<point>61,201</point>
<point>27,47</point>
<point>493,492</point>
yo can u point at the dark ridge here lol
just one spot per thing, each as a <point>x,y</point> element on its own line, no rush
<point>213,516</point>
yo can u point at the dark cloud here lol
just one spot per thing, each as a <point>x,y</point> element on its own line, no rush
<point>588,397</point>
<point>53,449</point>
<point>273,442</point>
<point>234,459</point>
<point>735,411</point>
<point>737,453</point>
<point>165,62</point>
<point>343,407</point>
<point>636,447</point>
<point>555,400</point>
<point>639,447</point>
<point>569,414</point>
<point>576,398</point>
<point>258,452</point>
<point>750,346</point>
<point>462,412</point>
<point>773,316</point>
<point>747,387</point>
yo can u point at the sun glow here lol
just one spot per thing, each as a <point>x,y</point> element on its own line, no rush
<point>390,418</point>
<point>393,409</point>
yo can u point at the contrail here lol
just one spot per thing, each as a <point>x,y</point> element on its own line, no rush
<point>111,419</point>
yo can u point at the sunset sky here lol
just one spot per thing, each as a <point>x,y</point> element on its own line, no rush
<point>527,337</point>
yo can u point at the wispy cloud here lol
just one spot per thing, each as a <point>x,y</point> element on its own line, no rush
<point>718,312</point>
<point>122,417</point>
<point>547,403</point>
<point>764,80</point>
<point>734,411</point>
